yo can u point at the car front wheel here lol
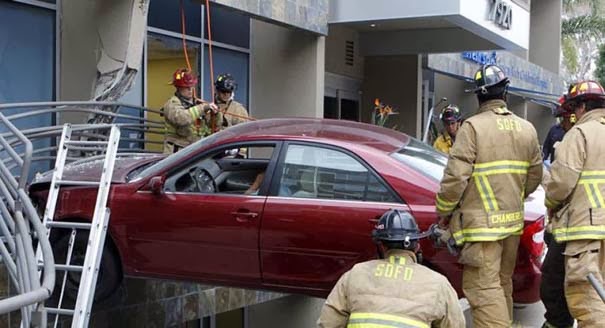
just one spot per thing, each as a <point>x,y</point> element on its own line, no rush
<point>108,279</point>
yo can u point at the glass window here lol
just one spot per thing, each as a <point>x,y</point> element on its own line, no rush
<point>228,26</point>
<point>231,62</point>
<point>239,171</point>
<point>27,62</point>
<point>422,158</point>
<point>166,14</point>
<point>315,172</point>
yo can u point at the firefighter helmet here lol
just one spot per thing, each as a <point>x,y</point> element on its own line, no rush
<point>585,90</point>
<point>225,83</point>
<point>563,109</point>
<point>490,80</point>
<point>182,78</point>
<point>396,226</point>
<point>450,114</point>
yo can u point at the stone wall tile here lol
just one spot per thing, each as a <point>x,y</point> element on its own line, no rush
<point>311,15</point>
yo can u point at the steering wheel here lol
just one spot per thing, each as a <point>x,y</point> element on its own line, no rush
<point>203,180</point>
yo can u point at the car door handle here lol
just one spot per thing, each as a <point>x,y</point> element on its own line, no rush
<point>373,221</point>
<point>244,215</point>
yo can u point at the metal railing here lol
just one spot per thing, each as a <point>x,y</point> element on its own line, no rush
<point>21,146</point>
<point>18,219</point>
<point>97,113</point>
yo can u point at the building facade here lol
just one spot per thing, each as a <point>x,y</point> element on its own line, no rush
<point>304,58</point>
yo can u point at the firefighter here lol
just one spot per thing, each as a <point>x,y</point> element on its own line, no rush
<point>493,165</point>
<point>186,119</point>
<point>394,291</point>
<point>233,112</point>
<point>451,118</point>
<point>574,197</point>
<point>557,131</point>
<point>553,268</point>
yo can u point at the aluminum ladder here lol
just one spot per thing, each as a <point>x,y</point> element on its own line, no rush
<point>97,228</point>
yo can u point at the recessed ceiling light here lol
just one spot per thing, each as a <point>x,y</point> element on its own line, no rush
<point>372,25</point>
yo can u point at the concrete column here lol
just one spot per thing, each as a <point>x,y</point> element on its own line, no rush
<point>545,34</point>
<point>101,48</point>
<point>287,72</point>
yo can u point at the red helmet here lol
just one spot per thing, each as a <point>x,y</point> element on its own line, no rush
<point>585,90</point>
<point>182,78</point>
<point>563,109</point>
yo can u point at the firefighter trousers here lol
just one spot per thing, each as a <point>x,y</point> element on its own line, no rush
<point>552,291</point>
<point>487,280</point>
<point>581,258</point>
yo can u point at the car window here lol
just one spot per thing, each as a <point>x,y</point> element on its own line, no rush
<point>239,171</point>
<point>423,159</point>
<point>323,173</point>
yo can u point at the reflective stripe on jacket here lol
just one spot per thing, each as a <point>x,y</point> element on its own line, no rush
<point>577,181</point>
<point>372,320</point>
<point>392,292</point>
<point>494,163</point>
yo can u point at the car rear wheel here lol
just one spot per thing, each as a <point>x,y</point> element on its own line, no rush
<point>108,279</point>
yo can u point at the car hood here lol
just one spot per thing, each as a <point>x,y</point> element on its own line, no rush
<point>89,169</point>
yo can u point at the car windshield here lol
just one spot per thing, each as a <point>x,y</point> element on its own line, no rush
<point>423,159</point>
<point>181,155</point>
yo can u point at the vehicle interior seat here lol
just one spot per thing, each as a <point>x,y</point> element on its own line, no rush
<point>307,184</point>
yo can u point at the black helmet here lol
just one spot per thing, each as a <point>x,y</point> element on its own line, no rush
<point>225,83</point>
<point>397,227</point>
<point>490,80</point>
<point>450,114</point>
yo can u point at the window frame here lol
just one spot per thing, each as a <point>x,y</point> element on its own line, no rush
<point>278,172</point>
<point>264,188</point>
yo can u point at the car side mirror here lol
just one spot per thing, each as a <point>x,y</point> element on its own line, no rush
<point>156,185</point>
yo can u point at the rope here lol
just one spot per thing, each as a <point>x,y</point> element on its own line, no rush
<point>211,62</point>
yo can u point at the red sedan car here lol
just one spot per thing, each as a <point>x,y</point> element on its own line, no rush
<point>281,204</point>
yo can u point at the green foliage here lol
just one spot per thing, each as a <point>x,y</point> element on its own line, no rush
<point>570,54</point>
<point>583,26</point>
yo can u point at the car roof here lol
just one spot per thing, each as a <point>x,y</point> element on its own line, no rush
<point>379,138</point>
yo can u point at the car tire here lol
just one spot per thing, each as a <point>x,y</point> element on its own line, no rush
<point>109,277</point>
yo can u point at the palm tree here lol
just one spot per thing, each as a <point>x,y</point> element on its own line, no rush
<point>582,30</point>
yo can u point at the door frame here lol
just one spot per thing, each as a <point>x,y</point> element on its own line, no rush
<point>343,87</point>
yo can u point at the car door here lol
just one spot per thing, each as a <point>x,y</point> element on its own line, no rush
<point>203,225</point>
<point>317,221</point>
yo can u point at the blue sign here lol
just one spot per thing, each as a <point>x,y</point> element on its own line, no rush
<point>490,58</point>
<point>482,58</point>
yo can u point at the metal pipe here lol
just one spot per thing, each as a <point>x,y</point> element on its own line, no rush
<point>9,181</point>
<point>596,284</point>
<point>28,150</point>
<point>19,301</point>
<point>74,103</point>
<point>429,120</point>
<point>4,211</point>
<point>4,227</point>
<point>4,190</point>
<point>48,281</point>
<point>114,115</point>
<point>10,151</point>
<point>30,257</point>
<point>10,264</point>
